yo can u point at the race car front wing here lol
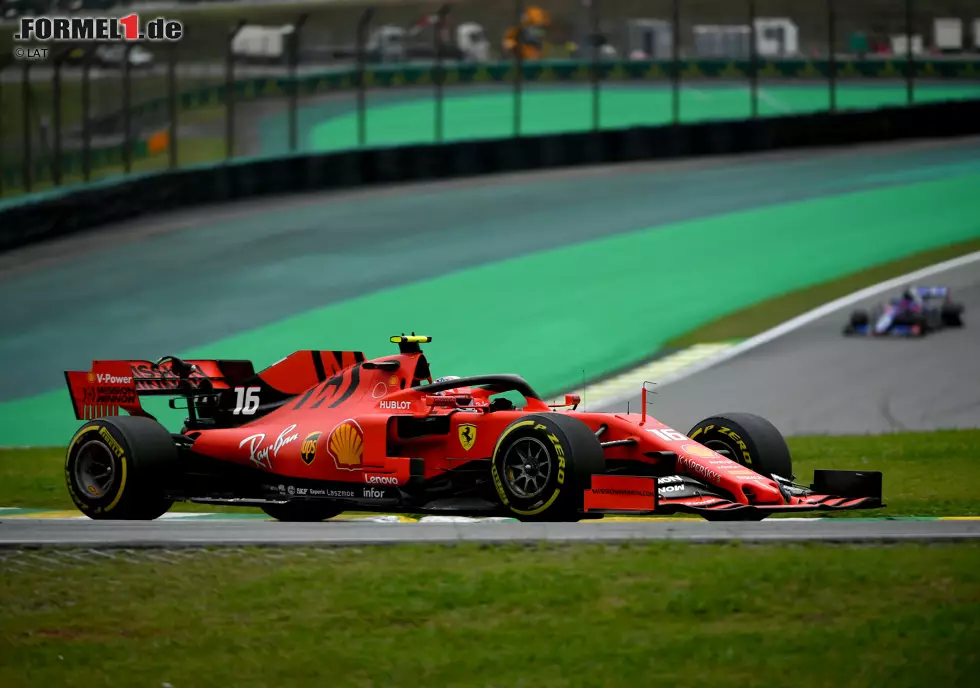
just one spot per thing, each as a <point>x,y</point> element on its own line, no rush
<point>830,491</point>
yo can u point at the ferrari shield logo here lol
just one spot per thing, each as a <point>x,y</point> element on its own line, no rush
<point>467,436</point>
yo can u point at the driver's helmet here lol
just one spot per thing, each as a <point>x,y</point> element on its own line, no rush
<point>912,295</point>
<point>454,390</point>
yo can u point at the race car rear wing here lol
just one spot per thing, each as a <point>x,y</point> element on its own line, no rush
<point>111,386</point>
<point>114,386</point>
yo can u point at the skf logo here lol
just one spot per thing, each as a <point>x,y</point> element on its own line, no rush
<point>308,450</point>
<point>467,436</point>
<point>346,446</point>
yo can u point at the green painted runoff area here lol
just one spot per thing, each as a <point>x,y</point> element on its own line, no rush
<point>552,110</point>
<point>588,309</point>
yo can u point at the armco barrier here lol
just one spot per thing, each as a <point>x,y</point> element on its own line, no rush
<point>57,213</point>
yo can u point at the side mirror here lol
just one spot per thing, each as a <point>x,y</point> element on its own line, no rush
<point>573,400</point>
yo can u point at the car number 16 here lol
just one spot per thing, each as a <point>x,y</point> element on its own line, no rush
<point>669,434</point>
<point>247,401</point>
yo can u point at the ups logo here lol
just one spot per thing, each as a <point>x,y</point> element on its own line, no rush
<point>308,450</point>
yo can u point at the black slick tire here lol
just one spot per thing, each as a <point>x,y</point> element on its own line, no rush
<point>952,315</point>
<point>115,468</point>
<point>749,439</point>
<point>543,463</point>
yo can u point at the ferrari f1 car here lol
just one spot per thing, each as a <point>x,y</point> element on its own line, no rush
<point>321,432</point>
<point>917,312</point>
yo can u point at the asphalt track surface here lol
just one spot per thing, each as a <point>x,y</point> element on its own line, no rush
<point>816,381</point>
<point>135,289</point>
<point>26,533</point>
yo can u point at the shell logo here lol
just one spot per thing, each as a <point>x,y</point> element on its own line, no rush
<point>699,450</point>
<point>346,446</point>
<point>91,377</point>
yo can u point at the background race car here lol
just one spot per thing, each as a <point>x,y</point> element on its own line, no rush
<point>917,312</point>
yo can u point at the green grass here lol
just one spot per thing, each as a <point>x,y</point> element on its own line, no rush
<point>925,474</point>
<point>634,615</point>
<point>763,316</point>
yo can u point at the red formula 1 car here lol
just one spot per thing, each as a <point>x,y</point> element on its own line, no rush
<point>321,432</point>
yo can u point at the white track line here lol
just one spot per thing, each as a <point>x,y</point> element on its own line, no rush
<point>615,387</point>
<point>798,322</point>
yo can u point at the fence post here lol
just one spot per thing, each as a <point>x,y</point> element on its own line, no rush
<point>293,81</point>
<point>832,53</point>
<point>596,88</point>
<point>5,61</point>
<point>172,103</point>
<point>3,129</point>
<point>518,63</point>
<point>230,90</point>
<point>909,64</point>
<point>675,47</point>
<point>438,74</point>
<point>86,113</point>
<point>26,94</point>
<point>753,61</point>
<point>56,114</point>
<point>127,111</point>
<point>362,29</point>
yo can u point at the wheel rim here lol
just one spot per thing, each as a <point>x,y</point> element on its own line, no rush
<point>527,467</point>
<point>95,469</point>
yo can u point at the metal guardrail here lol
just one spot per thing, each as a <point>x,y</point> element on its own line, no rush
<point>77,120</point>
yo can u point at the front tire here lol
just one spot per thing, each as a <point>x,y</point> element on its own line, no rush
<point>115,467</point>
<point>749,439</point>
<point>542,465</point>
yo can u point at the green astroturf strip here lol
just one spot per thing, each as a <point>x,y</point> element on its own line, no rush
<point>597,306</point>
<point>491,115</point>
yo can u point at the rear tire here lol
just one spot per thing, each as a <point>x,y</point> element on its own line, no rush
<point>542,465</point>
<point>302,512</point>
<point>115,467</point>
<point>952,315</point>
<point>749,439</point>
